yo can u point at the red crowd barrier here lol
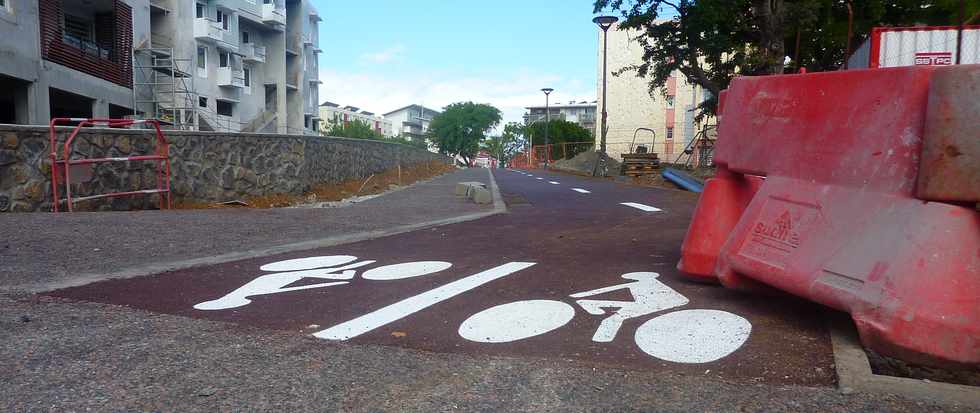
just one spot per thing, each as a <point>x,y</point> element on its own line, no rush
<point>823,191</point>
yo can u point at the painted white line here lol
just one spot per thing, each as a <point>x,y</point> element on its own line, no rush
<point>540,179</point>
<point>411,305</point>
<point>641,207</point>
<point>553,182</point>
<point>581,191</point>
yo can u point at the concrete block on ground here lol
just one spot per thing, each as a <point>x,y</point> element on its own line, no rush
<point>466,188</point>
<point>481,195</point>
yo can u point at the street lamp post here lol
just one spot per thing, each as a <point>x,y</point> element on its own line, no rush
<point>547,122</point>
<point>604,22</point>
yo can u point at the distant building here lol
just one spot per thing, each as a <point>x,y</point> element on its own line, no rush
<point>412,121</point>
<point>583,113</point>
<point>915,46</point>
<point>332,114</point>
<point>631,106</point>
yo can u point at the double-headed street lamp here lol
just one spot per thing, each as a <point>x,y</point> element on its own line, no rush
<point>547,121</point>
<point>604,22</point>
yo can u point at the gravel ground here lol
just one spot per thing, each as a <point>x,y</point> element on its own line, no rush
<point>38,249</point>
<point>59,355</point>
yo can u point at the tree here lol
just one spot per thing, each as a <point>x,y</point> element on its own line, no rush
<point>460,128</point>
<point>515,139</point>
<point>710,42</point>
<point>355,129</point>
<point>559,131</point>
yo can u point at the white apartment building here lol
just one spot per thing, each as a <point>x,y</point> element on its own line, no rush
<point>412,121</point>
<point>231,65</point>
<point>68,58</point>
<point>582,113</point>
<point>224,65</point>
<point>631,106</point>
<point>332,114</point>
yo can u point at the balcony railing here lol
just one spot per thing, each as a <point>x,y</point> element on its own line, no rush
<point>253,52</point>
<point>208,30</point>
<point>274,13</point>
<point>231,77</point>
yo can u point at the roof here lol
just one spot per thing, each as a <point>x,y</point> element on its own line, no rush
<point>329,104</point>
<point>582,104</point>
<point>352,108</point>
<point>364,112</point>
<point>412,106</point>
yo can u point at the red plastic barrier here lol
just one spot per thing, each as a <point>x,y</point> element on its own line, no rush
<point>816,195</point>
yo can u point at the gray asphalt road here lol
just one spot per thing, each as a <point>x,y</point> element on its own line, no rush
<point>39,249</point>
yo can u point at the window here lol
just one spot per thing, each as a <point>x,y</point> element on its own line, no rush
<point>202,101</point>
<point>200,11</point>
<point>223,59</point>
<point>79,28</point>
<point>670,133</point>
<point>202,57</point>
<point>670,102</point>
<point>245,38</point>
<point>248,76</point>
<point>5,6</point>
<point>223,19</point>
<point>225,108</point>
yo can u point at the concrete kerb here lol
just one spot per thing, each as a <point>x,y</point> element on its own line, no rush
<point>156,268</point>
<point>854,373</point>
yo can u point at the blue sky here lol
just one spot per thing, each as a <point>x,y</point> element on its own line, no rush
<point>382,55</point>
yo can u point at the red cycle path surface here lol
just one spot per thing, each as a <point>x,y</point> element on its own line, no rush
<point>579,242</point>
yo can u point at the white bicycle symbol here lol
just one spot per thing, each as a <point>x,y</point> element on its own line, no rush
<point>685,336</point>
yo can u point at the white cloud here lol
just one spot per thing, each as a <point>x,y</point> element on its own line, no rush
<point>388,55</point>
<point>510,93</point>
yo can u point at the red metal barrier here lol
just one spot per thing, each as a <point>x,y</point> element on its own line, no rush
<point>62,168</point>
<point>816,195</point>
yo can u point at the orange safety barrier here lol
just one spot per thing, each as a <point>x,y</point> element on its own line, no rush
<point>831,186</point>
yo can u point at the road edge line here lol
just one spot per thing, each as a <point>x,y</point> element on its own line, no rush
<point>854,373</point>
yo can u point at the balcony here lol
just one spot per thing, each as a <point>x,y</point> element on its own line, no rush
<point>253,52</point>
<point>230,77</point>
<point>207,30</point>
<point>307,38</point>
<point>274,14</point>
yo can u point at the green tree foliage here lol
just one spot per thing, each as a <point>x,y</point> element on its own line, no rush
<point>460,128</point>
<point>711,41</point>
<point>355,129</point>
<point>559,131</point>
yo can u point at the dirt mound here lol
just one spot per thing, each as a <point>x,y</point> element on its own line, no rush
<point>584,162</point>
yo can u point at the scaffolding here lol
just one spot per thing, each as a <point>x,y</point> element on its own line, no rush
<point>163,88</point>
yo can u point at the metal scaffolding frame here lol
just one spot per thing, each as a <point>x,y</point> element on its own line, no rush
<point>163,85</point>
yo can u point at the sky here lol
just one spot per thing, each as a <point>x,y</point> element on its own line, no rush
<point>386,54</point>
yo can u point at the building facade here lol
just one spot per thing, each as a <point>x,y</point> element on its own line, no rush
<point>222,65</point>
<point>68,58</point>
<point>332,114</point>
<point>412,121</point>
<point>630,105</point>
<point>582,113</point>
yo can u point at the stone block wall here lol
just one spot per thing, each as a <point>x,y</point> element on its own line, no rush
<point>205,166</point>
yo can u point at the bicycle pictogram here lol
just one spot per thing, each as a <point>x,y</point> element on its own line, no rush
<point>683,336</point>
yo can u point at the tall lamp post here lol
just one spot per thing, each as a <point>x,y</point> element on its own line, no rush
<point>547,122</point>
<point>604,22</point>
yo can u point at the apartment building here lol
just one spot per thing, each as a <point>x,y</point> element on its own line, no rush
<point>582,113</point>
<point>332,114</point>
<point>231,65</point>
<point>412,121</point>
<point>223,65</point>
<point>68,58</point>
<point>631,106</point>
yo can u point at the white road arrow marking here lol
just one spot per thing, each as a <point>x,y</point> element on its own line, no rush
<point>411,305</point>
<point>641,207</point>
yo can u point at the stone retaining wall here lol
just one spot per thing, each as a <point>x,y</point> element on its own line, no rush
<point>206,166</point>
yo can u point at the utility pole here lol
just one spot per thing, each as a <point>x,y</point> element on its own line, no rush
<point>547,122</point>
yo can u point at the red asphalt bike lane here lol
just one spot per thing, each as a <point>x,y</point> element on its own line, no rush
<point>562,275</point>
